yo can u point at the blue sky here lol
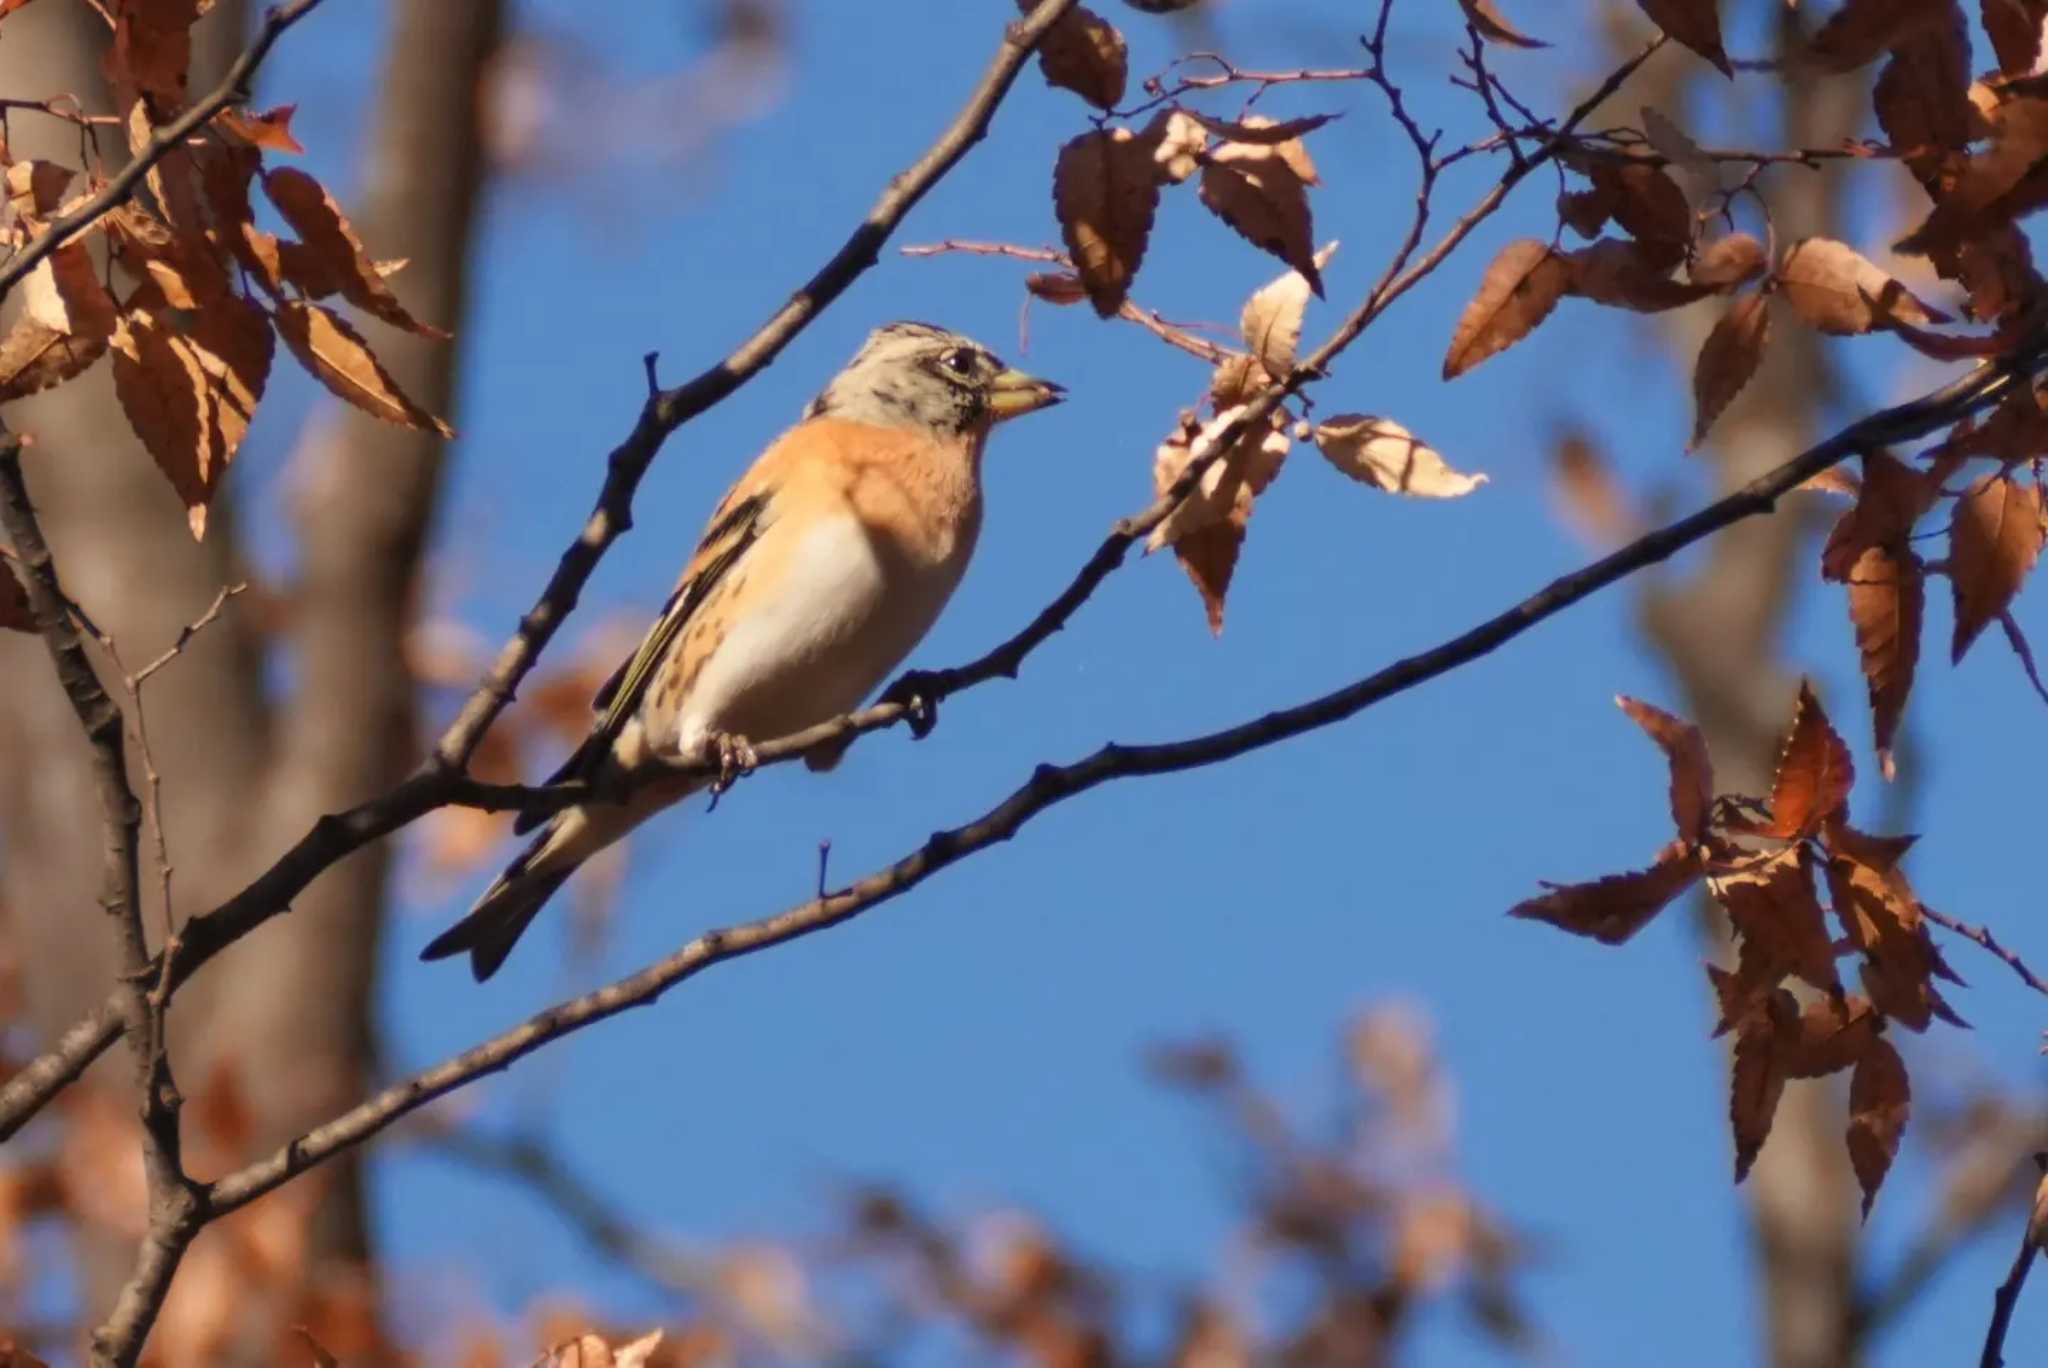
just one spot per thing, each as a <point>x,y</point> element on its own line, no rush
<point>980,1041</point>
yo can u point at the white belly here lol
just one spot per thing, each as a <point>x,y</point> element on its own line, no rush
<point>842,616</point>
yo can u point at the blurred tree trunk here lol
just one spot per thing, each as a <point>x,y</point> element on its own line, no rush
<point>1719,631</point>
<point>245,770</point>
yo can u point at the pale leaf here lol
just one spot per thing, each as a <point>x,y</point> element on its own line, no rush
<point>1382,453</point>
<point>338,358</point>
<point>1835,289</point>
<point>1485,16</point>
<point>1727,359</point>
<point>1520,288</point>
<point>1994,541</point>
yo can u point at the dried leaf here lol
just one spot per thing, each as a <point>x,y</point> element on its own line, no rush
<point>1692,773</point>
<point>1259,131</point>
<point>1520,288</point>
<point>1887,598</point>
<point>1993,543</point>
<point>1727,359</point>
<point>1105,192</point>
<point>1382,453</point>
<point>1922,99</point>
<point>64,294</point>
<point>338,358</point>
<point>1814,775</point>
<point>1831,1035</point>
<point>1612,909</point>
<point>1237,378</point>
<point>1891,499</point>
<point>35,356</point>
<point>1262,194</point>
<point>1777,913</point>
<point>1993,187</point>
<point>1729,262</point>
<point>1209,557</point>
<point>269,128</point>
<point>1756,1082</point>
<point>1695,23</point>
<point>1647,203</point>
<point>2015,30</point>
<point>36,190</point>
<point>1253,461</point>
<point>1084,53</point>
<point>1880,1099</point>
<point>1862,29</point>
<point>1835,289</point>
<point>1176,142</point>
<point>1585,212</point>
<point>1483,16</point>
<point>152,46</point>
<point>327,235</point>
<point>1623,275</point>
<point>1271,322</point>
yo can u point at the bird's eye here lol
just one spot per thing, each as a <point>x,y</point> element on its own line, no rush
<point>960,361</point>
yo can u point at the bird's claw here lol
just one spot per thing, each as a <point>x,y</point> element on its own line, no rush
<point>736,759</point>
<point>917,693</point>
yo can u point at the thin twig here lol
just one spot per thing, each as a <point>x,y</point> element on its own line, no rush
<point>233,89</point>
<point>1983,937</point>
<point>2003,1303</point>
<point>1051,784</point>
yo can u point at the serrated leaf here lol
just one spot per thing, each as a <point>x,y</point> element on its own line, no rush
<point>1271,321</point>
<point>327,235</point>
<point>1756,1082</point>
<point>1685,750</point>
<point>1647,203</point>
<point>1382,453</point>
<point>269,128</point>
<point>1176,142</point>
<point>1860,30</point>
<point>1485,16</point>
<point>1814,774</point>
<point>2015,30</point>
<point>1880,1100</point>
<point>1622,275</point>
<point>1084,53</point>
<point>1260,194</point>
<point>1994,541</point>
<point>1776,912</point>
<point>1253,461</point>
<point>1887,599</point>
<point>1727,359</point>
<point>1613,909</point>
<point>1889,501</point>
<point>1837,290</point>
<point>35,356</point>
<point>1105,192</point>
<point>337,356</point>
<point>1520,288</point>
<point>1729,262</point>
<point>1695,23</point>
<point>1258,131</point>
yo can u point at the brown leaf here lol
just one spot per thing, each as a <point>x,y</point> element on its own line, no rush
<point>1612,909</point>
<point>1861,29</point>
<point>1994,541</point>
<point>327,235</point>
<point>2014,28</point>
<point>1260,192</point>
<point>1870,893</point>
<point>1623,275</point>
<point>1695,23</point>
<point>1814,775</point>
<point>152,45</point>
<point>1692,773</point>
<point>1209,557</point>
<point>1520,288</point>
<point>1105,191</point>
<point>1588,497</point>
<point>1777,913</point>
<point>1236,379</point>
<point>1880,1099</point>
<point>64,293</point>
<point>1892,497</point>
<point>1727,359</point>
<point>36,190</point>
<point>1254,460</point>
<point>1176,142</point>
<point>1831,1035</point>
<point>225,180</point>
<point>1492,26</point>
<point>269,128</point>
<point>1259,131</point>
<point>1271,322</point>
<point>1382,453</point>
<point>1887,597</point>
<point>1922,100</point>
<point>1835,289</point>
<point>1084,53</point>
<point>1995,186</point>
<point>1647,203</point>
<point>1056,287</point>
<point>1729,262</point>
<point>1585,212</point>
<point>1756,1083</point>
<point>338,358</point>
<point>190,396</point>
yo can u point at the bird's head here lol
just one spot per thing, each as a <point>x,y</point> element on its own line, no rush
<point>919,376</point>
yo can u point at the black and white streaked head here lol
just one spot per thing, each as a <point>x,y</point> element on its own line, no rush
<point>914,375</point>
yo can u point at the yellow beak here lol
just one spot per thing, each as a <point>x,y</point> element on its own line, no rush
<point>1012,393</point>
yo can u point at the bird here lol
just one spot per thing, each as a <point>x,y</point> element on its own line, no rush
<point>817,574</point>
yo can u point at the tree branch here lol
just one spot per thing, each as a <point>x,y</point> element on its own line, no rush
<point>233,89</point>
<point>173,1197</point>
<point>1052,784</point>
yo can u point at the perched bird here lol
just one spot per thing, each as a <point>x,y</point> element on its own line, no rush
<point>819,572</point>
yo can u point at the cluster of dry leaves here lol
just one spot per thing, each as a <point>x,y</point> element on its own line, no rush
<point>189,296</point>
<point>1764,862</point>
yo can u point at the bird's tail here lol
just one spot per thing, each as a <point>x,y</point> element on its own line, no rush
<point>509,905</point>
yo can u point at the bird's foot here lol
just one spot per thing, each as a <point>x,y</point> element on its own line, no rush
<point>736,759</point>
<point>917,692</point>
